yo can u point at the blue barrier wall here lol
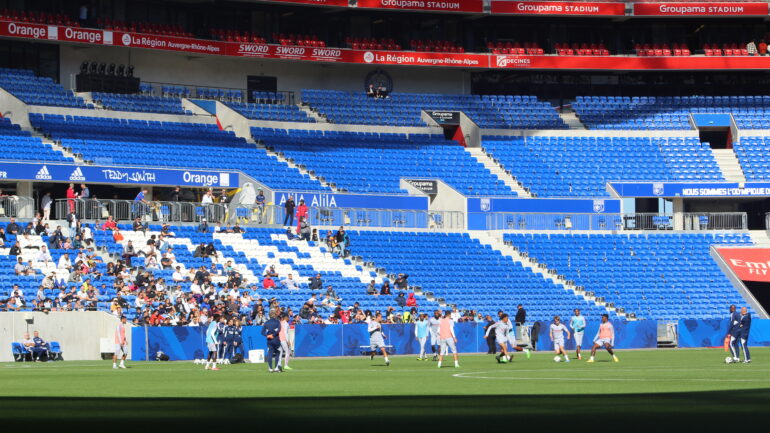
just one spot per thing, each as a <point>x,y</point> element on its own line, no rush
<point>642,334</point>
<point>711,333</point>
<point>187,343</point>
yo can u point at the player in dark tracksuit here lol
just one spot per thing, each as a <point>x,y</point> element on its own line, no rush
<point>734,332</point>
<point>272,329</point>
<point>221,329</point>
<point>237,345</point>
<point>745,329</point>
<point>229,336</point>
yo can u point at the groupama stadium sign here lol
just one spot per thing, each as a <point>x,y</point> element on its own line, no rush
<point>44,32</point>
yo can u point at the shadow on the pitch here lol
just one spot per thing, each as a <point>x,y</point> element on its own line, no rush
<point>626,412</point>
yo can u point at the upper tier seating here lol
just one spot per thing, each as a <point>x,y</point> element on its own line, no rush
<point>236,36</point>
<point>583,49</point>
<point>655,276</point>
<point>669,112</point>
<point>278,112</point>
<point>143,27</point>
<point>462,271</point>
<point>530,48</point>
<point>19,145</point>
<point>34,90</point>
<point>372,44</point>
<point>141,103</point>
<point>581,166</point>
<point>658,50</point>
<point>436,46</point>
<point>732,49</point>
<point>298,40</point>
<point>753,153</point>
<point>169,144</point>
<point>38,17</point>
<point>404,109</point>
<point>371,162</point>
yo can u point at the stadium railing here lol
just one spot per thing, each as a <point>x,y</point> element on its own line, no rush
<point>604,221</point>
<point>16,206</point>
<point>251,214</point>
<point>767,222</point>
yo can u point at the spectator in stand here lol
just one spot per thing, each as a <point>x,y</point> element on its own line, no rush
<point>290,283</point>
<point>410,300</point>
<point>371,289</point>
<point>138,226</point>
<point>268,282</point>
<point>65,262</point>
<point>21,269</point>
<point>521,315</point>
<point>304,229</point>
<point>128,253</point>
<point>332,294</point>
<point>45,205</point>
<point>44,256</point>
<point>289,211</point>
<point>401,300</point>
<point>71,196</point>
<point>316,283</point>
<point>762,48</point>
<point>385,289</point>
<point>12,228</point>
<point>110,224</point>
<point>260,205</point>
<point>751,47</point>
<point>15,249</point>
<point>343,241</point>
<point>203,227</point>
<point>402,282</point>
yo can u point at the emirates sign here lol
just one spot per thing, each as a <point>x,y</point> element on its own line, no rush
<point>749,264</point>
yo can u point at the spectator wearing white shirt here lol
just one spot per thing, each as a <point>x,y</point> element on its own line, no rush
<point>178,276</point>
<point>65,262</point>
<point>44,255</point>
<point>290,283</point>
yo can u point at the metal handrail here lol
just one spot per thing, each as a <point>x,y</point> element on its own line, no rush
<point>603,221</point>
<point>15,206</point>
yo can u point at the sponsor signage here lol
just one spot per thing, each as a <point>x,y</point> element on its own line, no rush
<point>558,8</point>
<point>700,9</point>
<point>338,3</point>
<point>693,190</point>
<point>749,264</point>
<point>116,175</point>
<point>473,6</point>
<point>420,59</point>
<point>362,201</point>
<point>445,117</point>
<point>172,43</point>
<point>426,186</point>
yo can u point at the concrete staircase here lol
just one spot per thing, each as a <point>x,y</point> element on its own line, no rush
<point>728,163</point>
<point>498,170</point>
<point>761,238</point>
<point>569,117</point>
<point>495,240</point>
<point>318,118</point>
<point>301,168</point>
<point>66,152</point>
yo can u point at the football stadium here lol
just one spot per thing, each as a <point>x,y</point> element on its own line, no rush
<point>383,214</point>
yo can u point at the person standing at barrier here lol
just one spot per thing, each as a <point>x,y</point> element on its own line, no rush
<point>447,338</point>
<point>302,213</point>
<point>71,196</point>
<point>272,330</point>
<point>45,205</point>
<point>745,328</point>
<point>260,201</point>
<point>121,348</point>
<point>85,194</point>
<point>288,208</point>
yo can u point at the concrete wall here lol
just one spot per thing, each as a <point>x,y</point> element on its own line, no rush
<point>79,333</point>
<point>587,133</point>
<point>218,71</point>
<point>14,109</point>
<point>67,111</point>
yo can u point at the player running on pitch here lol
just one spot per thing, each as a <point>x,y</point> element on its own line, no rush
<point>433,322</point>
<point>557,331</point>
<point>604,338</point>
<point>421,330</point>
<point>578,325</point>
<point>212,333</point>
<point>503,336</point>
<point>447,339</point>
<point>377,338</point>
<point>121,348</point>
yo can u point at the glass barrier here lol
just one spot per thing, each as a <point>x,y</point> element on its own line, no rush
<point>639,221</point>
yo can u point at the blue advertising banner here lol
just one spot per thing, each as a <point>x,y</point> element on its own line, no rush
<point>361,201</point>
<point>711,333</point>
<point>544,205</point>
<point>189,342</point>
<point>47,172</point>
<point>690,189</point>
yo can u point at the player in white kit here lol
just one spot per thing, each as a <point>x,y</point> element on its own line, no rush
<point>377,338</point>
<point>557,336</point>
<point>433,323</point>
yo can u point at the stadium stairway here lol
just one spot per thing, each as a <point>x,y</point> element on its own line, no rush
<point>498,170</point>
<point>760,238</point>
<point>290,162</point>
<point>729,164</point>
<point>56,145</point>
<point>571,119</point>
<point>496,242</point>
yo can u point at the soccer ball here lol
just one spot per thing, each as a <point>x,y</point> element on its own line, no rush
<point>557,358</point>
<point>503,359</point>
<point>197,361</point>
<point>729,360</point>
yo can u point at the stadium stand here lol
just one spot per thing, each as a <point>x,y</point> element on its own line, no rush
<point>581,166</point>
<point>169,144</point>
<point>140,103</point>
<point>508,47</point>
<point>38,17</point>
<point>436,46</point>
<point>34,90</point>
<point>372,44</point>
<point>236,36</point>
<point>656,276</point>
<point>753,154</point>
<point>404,109</point>
<point>582,49</point>
<point>278,112</point>
<point>731,49</point>
<point>298,40</point>
<point>658,50</point>
<point>371,162</point>
<point>669,112</point>
<point>20,145</point>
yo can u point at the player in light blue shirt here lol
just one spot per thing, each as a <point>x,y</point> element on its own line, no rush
<point>421,329</point>
<point>578,325</point>
<point>212,333</point>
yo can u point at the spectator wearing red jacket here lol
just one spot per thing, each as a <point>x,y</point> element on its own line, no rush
<point>302,211</point>
<point>71,196</point>
<point>268,282</point>
<point>110,224</point>
<point>410,300</point>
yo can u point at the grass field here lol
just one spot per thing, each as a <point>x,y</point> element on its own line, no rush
<point>678,387</point>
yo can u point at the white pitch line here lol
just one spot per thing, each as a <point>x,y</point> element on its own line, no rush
<point>602,379</point>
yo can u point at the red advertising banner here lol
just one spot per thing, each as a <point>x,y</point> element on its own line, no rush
<point>473,6</point>
<point>172,43</point>
<point>558,8</point>
<point>25,30</point>
<point>338,3</point>
<point>701,9</point>
<point>629,63</point>
<point>749,264</point>
<point>411,58</point>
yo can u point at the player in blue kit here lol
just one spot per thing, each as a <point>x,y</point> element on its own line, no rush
<point>213,343</point>
<point>272,330</point>
<point>421,330</point>
<point>745,328</point>
<point>578,325</point>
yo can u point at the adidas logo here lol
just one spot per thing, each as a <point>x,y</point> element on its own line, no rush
<point>43,174</point>
<point>77,174</point>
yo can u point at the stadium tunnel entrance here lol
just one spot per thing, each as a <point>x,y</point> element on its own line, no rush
<point>761,292</point>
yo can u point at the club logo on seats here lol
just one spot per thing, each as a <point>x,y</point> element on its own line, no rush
<point>77,174</point>
<point>485,204</point>
<point>368,57</point>
<point>657,188</point>
<point>598,206</point>
<point>43,174</point>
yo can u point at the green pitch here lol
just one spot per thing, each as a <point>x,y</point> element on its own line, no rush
<point>680,386</point>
